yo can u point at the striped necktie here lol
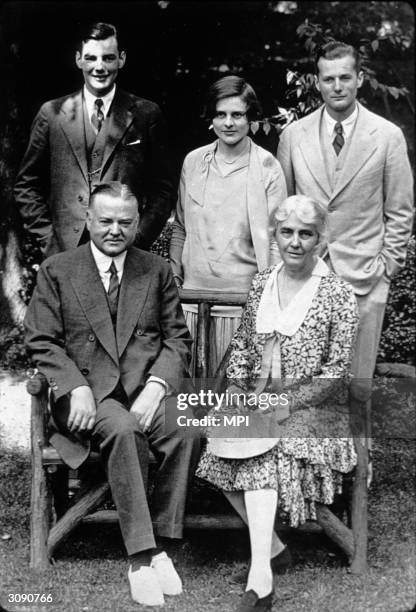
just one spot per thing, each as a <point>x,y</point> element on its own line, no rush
<point>97,117</point>
<point>339,141</point>
<point>113,288</point>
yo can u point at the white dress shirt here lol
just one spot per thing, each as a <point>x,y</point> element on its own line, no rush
<point>90,102</point>
<point>103,263</point>
<point>347,124</point>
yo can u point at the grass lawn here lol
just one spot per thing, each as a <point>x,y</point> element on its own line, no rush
<point>89,574</point>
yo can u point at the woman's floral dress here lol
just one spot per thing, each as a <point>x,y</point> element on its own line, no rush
<point>307,464</point>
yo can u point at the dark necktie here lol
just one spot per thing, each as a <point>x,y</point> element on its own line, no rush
<point>97,117</point>
<point>113,287</point>
<point>339,138</point>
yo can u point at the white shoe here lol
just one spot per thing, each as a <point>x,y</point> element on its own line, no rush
<point>144,587</point>
<point>167,575</point>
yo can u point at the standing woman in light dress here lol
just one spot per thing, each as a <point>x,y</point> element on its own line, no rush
<point>222,234</point>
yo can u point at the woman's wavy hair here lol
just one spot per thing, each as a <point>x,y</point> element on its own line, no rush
<point>307,210</point>
<point>229,87</point>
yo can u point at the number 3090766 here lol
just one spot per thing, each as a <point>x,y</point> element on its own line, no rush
<point>30,597</point>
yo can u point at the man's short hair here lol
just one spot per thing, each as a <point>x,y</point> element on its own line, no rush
<point>98,31</point>
<point>113,189</point>
<point>335,50</point>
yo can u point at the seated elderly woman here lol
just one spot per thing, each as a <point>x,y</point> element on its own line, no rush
<point>295,341</point>
<point>223,229</point>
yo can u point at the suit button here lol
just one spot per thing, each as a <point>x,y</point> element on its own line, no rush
<point>80,198</point>
<point>76,230</point>
<point>139,332</point>
<point>91,337</point>
<point>331,208</point>
<point>85,371</point>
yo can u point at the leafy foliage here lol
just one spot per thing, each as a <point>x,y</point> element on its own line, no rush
<point>13,354</point>
<point>269,42</point>
<point>398,340</point>
<point>374,31</point>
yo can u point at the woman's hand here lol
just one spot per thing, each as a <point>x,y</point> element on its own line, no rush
<point>178,281</point>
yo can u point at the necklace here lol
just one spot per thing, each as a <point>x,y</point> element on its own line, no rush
<point>232,161</point>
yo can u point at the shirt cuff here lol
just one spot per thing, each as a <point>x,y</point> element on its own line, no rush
<point>159,380</point>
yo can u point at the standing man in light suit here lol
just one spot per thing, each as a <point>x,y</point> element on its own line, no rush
<point>105,326</point>
<point>356,163</point>
<point>97,134</point>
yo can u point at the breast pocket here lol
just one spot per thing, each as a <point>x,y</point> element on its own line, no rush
<point>133,149</point>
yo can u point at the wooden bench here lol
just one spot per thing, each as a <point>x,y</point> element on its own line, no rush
<point>51,524</point>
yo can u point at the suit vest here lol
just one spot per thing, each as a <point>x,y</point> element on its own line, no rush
<point>94,147</point>
<point>333,163</point>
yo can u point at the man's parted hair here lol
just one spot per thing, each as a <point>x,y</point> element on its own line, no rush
<point>98,31</point>
<point>335,50</point>
<point>113,189</point>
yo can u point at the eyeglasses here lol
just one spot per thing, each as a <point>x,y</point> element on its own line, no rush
<point>236,116</point>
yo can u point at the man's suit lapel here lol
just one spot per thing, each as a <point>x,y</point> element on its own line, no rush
<point>90,291</point>
<point>72,124</point>
<point>363,145</point>
<point>119,120</point>
<point>310,148</point>
<point>133,293</point>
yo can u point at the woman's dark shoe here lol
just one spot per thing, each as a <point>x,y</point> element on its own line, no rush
<point>280,564</point>
<point>251,601</point>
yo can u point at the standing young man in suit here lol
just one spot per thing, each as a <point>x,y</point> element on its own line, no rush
<point>97,134</point>
<point>105,326</point>
<point>356,163</point>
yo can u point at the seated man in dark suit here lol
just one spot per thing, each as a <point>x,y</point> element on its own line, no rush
<point>106,328</point>
<point>97,134</point>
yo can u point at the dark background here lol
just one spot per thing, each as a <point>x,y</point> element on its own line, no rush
<point>173,55</point>
<point>176,49</point>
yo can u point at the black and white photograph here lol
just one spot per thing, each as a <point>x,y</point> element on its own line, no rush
<point>207,306</point>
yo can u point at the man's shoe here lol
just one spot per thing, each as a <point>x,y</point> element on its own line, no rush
<point>280,564</point>
<point>167,575</point>
<point>251,601</point>
<point>144,587</point>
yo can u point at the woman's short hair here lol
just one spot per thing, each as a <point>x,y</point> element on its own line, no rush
<point>307,210</point>
<point>230,87</point>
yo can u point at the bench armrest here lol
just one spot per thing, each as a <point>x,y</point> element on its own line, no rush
<point>37,384</point>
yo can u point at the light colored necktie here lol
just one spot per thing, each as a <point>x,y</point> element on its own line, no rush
<point>97,117</point>
<point>339,141</point>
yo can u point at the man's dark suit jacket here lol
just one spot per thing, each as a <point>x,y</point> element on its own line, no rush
<point>71,337</point>
<point>52,188</point>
